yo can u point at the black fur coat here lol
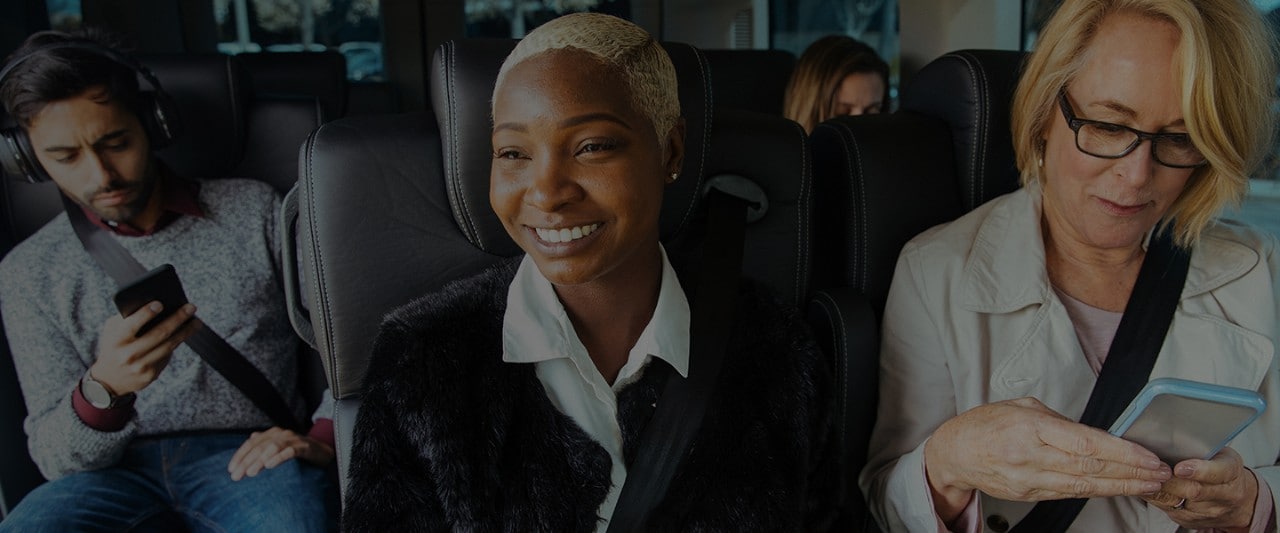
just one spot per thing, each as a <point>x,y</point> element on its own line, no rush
<point>450,437</point>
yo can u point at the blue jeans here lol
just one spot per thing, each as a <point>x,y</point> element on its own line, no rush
<point>183,478</point>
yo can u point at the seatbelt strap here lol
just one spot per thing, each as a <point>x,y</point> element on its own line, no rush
<point>1132,355</point>
<point>666,438</point>
<point>222,357</point>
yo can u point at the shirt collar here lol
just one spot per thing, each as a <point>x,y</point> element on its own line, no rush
<point>536,327</point>
<point>178,197</point>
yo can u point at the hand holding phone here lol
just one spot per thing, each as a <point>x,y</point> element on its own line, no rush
<point>159,285</point>
<point>134,346</point>
<point>1179,419</point>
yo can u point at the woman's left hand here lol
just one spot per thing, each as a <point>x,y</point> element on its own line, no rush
<point>1220,493</point>
<point>270,448</point>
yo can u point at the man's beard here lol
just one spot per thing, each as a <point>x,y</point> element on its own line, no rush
<point>142,192</point>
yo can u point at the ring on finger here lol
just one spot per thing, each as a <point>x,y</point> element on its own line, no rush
<point>1182,504</point>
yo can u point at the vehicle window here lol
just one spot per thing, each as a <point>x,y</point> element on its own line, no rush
<point>352,27</point>
<point>516,18</point>
<point>1262,206</point>
<point>797,23</point>
<point>64,15</point>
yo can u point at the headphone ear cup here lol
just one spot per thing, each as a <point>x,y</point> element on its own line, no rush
<point>17,158</point>
<point>161,118</point>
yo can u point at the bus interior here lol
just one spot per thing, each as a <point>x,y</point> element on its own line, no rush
<point>377,111</point>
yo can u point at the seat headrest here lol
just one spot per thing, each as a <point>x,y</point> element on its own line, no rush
<point>319,74</point>
<point>972,91</point>
<point>463,73</point>
<point>213,96</point>
<point>753,80</point>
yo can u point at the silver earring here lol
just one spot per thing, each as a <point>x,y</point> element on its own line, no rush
<point>1040,161</point>
<point>675,176</point>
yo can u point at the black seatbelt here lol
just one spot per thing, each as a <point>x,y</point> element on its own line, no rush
<point>1132,355</point>
<point>666,438</point>
<point>215,351</point>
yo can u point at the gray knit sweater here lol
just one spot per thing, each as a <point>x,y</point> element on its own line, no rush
<point>54,299</point>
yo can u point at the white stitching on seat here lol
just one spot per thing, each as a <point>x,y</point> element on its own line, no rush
<point>464,209</point>
<point>838,330</point>
<point>802,248</point>
<point>860,218</point>
<point>977,165</point>
<point>706,134</point>
<point>984,123</point>
<point>322,300</point>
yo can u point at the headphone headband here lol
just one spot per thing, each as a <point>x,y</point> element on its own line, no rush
<point>89,46</point>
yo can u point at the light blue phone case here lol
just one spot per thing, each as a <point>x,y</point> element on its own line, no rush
<point>1179,419</point>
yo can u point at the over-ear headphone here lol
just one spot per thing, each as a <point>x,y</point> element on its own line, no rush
<point>157,111</point>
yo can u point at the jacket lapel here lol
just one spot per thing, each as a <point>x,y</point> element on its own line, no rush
<point>1005,275</point>
<point>1034,350</point>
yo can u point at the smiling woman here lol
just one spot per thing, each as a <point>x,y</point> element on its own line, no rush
<point>582,171</point>
<point>516,399</point>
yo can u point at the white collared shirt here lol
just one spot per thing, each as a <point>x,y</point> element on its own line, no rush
<point>536,329</point>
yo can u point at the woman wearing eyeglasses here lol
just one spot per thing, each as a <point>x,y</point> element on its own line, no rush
<point>1135,121</point>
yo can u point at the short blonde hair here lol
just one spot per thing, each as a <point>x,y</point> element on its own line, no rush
<point>1225,64</point>
<point>811,90</point>
<point>619,44</point>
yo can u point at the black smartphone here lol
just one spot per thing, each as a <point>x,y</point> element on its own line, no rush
<point>161,284</point>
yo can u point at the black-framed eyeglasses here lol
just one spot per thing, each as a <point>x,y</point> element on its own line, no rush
<point>1113,141</point>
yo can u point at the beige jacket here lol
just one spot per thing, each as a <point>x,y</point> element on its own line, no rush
<point>971,319</point>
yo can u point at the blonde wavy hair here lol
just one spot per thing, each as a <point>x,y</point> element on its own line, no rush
<point>621,45</point>
<point>1225,64</point>
<point>810,97</point>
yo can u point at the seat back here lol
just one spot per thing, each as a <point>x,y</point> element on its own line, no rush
<point>972,92</point>
<point>882,179</point>
<point>406,197</point>
<point>752,80</point>
<point>227,133</point>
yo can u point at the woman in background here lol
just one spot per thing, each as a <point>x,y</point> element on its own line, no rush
<point>837,75</point>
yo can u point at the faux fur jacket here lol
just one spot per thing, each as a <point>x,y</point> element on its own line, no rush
<point>450,437</point>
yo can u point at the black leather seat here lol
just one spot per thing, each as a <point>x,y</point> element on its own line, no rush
<point>882,179</point>
<point>322,75</point>
<point>752,80</point>
<point>393,206</point>
<point>226,132</point>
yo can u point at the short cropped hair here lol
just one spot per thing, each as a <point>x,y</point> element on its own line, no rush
<point>1226,72</point>
<point>620,45</point>
<point>810,94</point>
<point>62,73</point>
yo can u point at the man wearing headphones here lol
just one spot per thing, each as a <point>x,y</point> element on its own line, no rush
<point>126,424</point>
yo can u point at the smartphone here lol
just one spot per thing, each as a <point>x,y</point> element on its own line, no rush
<point>1179,419</point>
<point>160,284</point>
